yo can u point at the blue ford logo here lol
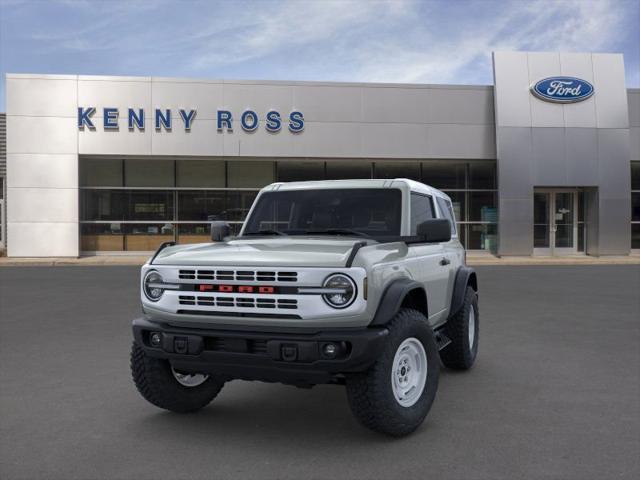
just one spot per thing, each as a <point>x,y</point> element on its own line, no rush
<point>562,89</point>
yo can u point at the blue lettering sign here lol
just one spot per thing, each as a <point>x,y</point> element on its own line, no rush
<point>187,118</point>
<point>136,120</point>
<point>110,118</point>
<point>163,120</point>
<point>296,122</point>
<point>562,89</point>
<point>249,121</point>
<point>274,123</point>
<point>225,119</point>
<point>84,117</point>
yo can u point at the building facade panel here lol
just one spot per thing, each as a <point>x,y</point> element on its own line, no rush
<point>396,105</point>
<point>581,114</point>
<point>544,114</point>
<point>49,205</point>
<point>582,156</point>
<point>511,72</point>
<point>461,106</point>
<point>30,134</point>
<point>259,98</point>
<point>611,99</point>
<point>526,175</point>
<point>40,170</point>
<point>39,97</point>
<point>175,94</point>
<point>324,103</point>
<point>41,239</point>
<point>200,140</point>
<point>558,151</point>
<point>116,141</point>
<point>102,93</point>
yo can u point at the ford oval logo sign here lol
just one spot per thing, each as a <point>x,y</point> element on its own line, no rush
<point>562,89</point>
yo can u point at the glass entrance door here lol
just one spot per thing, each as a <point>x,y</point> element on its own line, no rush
<point>554,222</point>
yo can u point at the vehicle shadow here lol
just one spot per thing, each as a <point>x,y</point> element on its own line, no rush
<point>279,413</point>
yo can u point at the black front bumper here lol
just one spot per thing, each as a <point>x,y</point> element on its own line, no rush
<point>289,357</point>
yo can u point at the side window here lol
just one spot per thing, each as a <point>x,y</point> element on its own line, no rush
<point>447,211</point>
<point>421,210</point>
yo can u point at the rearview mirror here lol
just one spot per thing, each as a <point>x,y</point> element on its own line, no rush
<point>435,230</point>
<point>219,230</point>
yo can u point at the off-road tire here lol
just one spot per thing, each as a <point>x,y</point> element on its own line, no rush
<point>458,355</point>
<point>156,383</point>
<point>370,394</point>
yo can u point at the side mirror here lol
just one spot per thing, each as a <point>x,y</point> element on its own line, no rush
<point>435,230</point>
<point>219,230</point>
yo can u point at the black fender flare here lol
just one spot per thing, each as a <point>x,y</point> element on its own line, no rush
<point>465,276</point>
<point>392,298</point>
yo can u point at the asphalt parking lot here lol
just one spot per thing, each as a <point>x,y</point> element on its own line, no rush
<point>555,392</point>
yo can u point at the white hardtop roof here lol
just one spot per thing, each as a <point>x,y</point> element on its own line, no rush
<point>356,183</point>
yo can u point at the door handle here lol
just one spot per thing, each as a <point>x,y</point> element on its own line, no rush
<point>445,261</point>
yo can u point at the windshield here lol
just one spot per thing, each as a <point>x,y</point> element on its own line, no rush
<point>365,212</point>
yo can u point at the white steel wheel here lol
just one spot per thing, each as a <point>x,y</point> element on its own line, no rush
<point>472,327</point>
<point>409,372</point>
<point>189,379</point>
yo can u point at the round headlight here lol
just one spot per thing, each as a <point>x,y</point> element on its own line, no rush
<point>151,288</point>
<point>341,291</point>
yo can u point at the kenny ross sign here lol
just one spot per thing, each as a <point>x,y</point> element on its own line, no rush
<point>562,89</point>
<point>162,119</point>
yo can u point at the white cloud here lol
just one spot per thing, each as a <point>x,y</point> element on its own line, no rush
<point>571,25</point>
<point>257,32</point>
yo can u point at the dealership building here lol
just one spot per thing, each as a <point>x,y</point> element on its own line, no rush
<point>546,161</point>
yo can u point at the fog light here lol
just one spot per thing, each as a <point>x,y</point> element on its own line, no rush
<point>330,350</point>
<point>156,339</point>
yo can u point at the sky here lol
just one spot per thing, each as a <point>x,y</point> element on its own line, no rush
<point>404,41</point>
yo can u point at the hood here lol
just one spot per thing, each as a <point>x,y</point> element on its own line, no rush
<point>271,252</point>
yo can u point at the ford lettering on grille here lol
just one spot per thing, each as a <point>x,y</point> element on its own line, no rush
<point>236,288</point>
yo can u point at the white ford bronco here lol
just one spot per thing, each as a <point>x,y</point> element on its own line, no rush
<point>361,283</point>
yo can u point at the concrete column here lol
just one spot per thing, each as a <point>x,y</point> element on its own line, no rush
<point>42,166</point>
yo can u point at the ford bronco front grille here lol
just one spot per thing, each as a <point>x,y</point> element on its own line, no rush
<point>239,302</point>
<point>237,275</point>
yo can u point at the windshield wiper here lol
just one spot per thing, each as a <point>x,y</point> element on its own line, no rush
<point>265,232</point>
<point>337,231</point>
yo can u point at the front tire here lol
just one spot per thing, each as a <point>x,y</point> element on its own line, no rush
<point>462,330</point>
<point>166,388</point>
<point>396,393</point>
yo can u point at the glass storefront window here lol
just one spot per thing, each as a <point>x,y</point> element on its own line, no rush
<point>144,237</point>
<point>238,205</point>
<point>462,229</point>
<point>635,175</point>
<point>249,174</point>
<point>635,235</point>
<point>103,205</point>
<point>209,189</point>
<point>103,172</point>
<point>394,169</point>
<point>337,170</point>
<point>482,176</point>
<point>95,237</point>
<point>194,232</point>
<point>458,204</point>
<point>200,205</point>
<point>482,237</point>
<point>149,173</point>
<point>482,207</point>
<point>635,206</point>
<point>150,205</point>
<point>200,173</point>
<point>443,175</point>
<point>297,171</point>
